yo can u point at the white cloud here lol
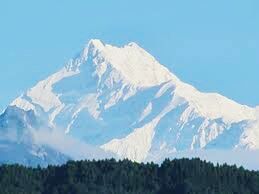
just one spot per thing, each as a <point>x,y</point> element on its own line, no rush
<point>68,145</point>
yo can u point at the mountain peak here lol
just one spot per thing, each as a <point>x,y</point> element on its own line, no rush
<point>96,43</point>
<point>133,44</point>
<point>130,62</point>
<point>92,46</point>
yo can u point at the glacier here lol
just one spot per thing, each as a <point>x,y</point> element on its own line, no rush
<point>121,102</point>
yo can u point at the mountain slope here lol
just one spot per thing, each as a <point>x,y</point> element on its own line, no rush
<point>17,144</point>
<point>122,100</point>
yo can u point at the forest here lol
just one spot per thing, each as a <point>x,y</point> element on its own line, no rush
<point>179,176</point>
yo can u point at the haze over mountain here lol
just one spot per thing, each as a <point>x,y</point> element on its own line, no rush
<point>120,102</point>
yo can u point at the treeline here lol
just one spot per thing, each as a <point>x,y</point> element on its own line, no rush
<point>126,177</point>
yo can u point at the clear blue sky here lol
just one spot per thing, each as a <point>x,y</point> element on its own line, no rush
<point>213,45</point>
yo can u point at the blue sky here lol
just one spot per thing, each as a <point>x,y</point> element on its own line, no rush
<point>213,45</point>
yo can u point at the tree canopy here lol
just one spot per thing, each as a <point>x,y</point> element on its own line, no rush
<point>126,177</point>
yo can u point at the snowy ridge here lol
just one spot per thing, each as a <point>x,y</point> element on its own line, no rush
<point>213,105</point>
<point>123,101</point>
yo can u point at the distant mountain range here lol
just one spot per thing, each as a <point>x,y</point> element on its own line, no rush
<point>120,102</point>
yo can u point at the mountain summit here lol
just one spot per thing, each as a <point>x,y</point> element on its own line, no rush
<point>123,101</point>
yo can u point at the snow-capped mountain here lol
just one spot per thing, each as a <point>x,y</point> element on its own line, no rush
<point>17,143</point>
<point>123,101</point>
